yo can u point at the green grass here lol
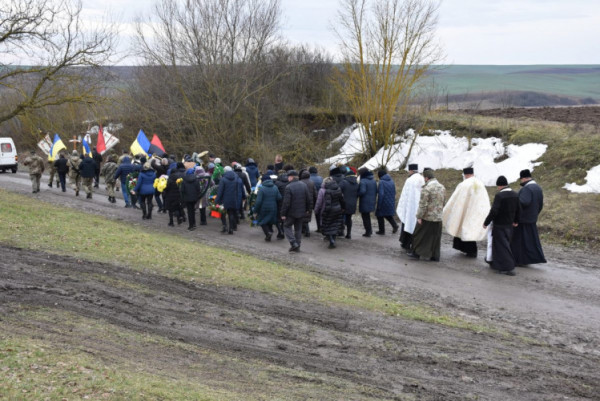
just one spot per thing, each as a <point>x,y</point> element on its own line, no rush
<point>37,225</point>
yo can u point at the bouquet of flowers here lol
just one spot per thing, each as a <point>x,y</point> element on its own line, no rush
<point>132,180</point>
<point>161,183</point>
<point>215,210</point>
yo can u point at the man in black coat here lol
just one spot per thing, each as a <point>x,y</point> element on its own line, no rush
<point>281,183</point>
<point>526,245</point>
<point>505,216</point>
<point>98,159</point>
<point>349,186</point>
<point>296,204</point>
<point>62,169</point>
<point>87,170</point>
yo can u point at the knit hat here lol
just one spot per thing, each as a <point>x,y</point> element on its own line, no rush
<point>363,171</point>
<point>265,177</point>
<point>227,169</point>
<point>217,160</point>
<point>501,181</point>
<point>428,174</point>
<point>525,173</point>
<point>237,167</point>
<point>211,165</point>
<point>250,160</point>
<point>381,173</point>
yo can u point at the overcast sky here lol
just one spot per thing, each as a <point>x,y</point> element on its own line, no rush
<point>470,31</point>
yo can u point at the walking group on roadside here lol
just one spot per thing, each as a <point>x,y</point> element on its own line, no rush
<point>284,199</point>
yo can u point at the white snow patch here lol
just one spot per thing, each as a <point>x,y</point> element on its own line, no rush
<point>352,137</point>
<point>592,185</point>
<point>444,150</point>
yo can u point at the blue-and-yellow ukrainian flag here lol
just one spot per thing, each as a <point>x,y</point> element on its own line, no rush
<point>140,145</point>
<point>57,146</point>
<point>86,148</point>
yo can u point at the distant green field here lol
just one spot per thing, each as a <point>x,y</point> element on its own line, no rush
<point>579,81</point>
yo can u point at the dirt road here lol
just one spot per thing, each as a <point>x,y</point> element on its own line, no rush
<point>558,304</point>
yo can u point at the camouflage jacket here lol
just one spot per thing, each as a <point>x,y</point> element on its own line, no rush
<point>73,163</point>
<point>108,172</point>
<point>431,204</point>
<point>35,163</point>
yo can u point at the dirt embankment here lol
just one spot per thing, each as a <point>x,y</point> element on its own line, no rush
<point>395,356</point>
<point>569,115</point>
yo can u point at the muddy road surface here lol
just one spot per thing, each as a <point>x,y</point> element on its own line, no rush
<point>551,312</point>
<point>568,115</point>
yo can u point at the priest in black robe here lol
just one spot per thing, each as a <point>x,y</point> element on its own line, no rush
<point>526,245</point>
<point>504,213</point>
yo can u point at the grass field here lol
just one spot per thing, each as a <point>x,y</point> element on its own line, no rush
<point>579,81</point>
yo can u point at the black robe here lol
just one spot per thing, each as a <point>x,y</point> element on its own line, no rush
<point>526,246</point>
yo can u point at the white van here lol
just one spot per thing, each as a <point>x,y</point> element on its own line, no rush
<point>8,155</point>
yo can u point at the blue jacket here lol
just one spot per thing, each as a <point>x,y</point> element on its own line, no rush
<point>317,179</point>
<point>252,170</point>
<point>231,191</point>
<point>367,193</point>
<point>266,203</point>
<point>145,183</point>
<point>125,168</point>
<point>386,197</point>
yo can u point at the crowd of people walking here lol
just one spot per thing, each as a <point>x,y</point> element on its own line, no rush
<point>283,199</point>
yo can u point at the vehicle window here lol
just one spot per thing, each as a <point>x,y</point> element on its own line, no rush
<point>6,147</point>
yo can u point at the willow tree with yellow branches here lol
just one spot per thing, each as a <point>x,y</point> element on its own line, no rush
<point>388,47</point>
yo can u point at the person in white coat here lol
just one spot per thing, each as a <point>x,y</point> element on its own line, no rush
<point>408,204</point>
<point>465,210</point>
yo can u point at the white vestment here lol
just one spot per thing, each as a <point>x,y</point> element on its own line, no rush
<point>466,211</point>
<point>408,204</point>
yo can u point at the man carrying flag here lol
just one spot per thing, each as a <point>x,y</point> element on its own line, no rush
<point>57,146</point>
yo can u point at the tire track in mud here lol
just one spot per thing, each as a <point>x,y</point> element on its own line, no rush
<point>390,354</point>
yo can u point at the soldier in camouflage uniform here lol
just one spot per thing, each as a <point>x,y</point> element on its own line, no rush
<point>36,168</point>
<point>52,172</point>
<point>427,237</point>
<point>74,177</point>
<point>108,172</point>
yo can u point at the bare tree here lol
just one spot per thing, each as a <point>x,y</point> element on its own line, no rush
<point>218,55</point>
<point>388,46</point>
<point>49,57</point>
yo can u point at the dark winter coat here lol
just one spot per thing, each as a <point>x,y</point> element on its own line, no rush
<point>252,170</point>
<point>61,165</point>
<point>125,168</point>
<point>281,183</point>
<point>266,203</point>
<point>505,210</point>
<point>367,193</point>
<point>338,177</point>
<point>158,167</point>
<point>531,198</point>
<point>349,189</point>
<point>296,200</point>
<point>145,183</point>
<point>231,191</point>
<point>244,179</point>
<point>312,191</point>
<point>98,159</point>
<point>317,179</point>
<point>386,197</point>
<point>171,194</point>
<point>190,188</point>
<point>87,167</point>
<point>330,208</point>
